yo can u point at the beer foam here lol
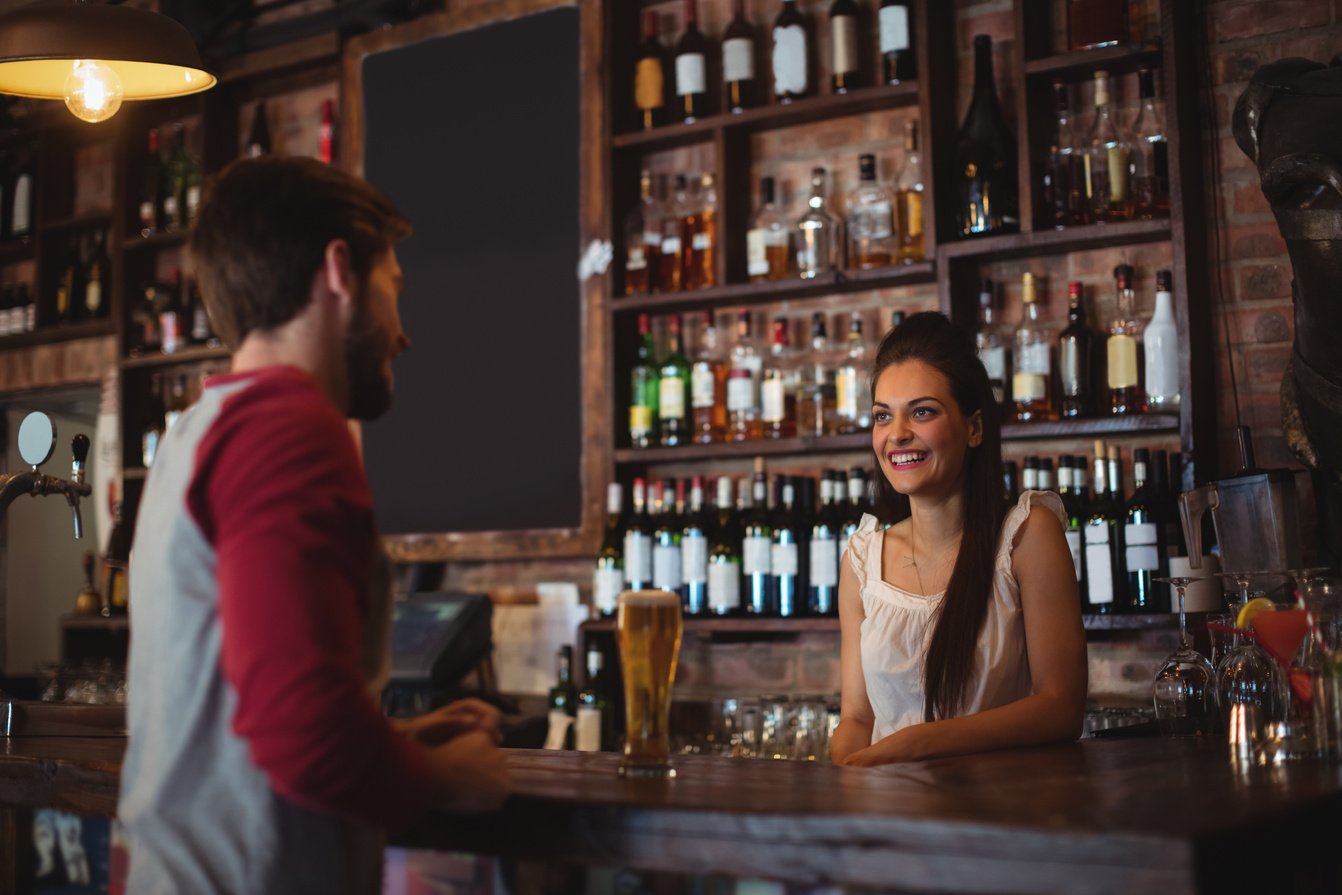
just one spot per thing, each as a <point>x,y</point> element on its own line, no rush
<point>649,597</point>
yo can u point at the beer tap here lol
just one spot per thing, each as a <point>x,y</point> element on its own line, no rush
<point>37,441</point>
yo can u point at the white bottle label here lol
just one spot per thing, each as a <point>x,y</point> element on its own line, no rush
<point>1035,358</point>
<point>824,557</point>
<point>757,259</point>
<point>1143,554</point>
<point>703,386</point>
<point>724,586</point>
<point>666,567</point>
<point>690,74</point>
<point>1074,544</point>
<point>560,721</point>
<point>671,398</point>
<point>740,394</point>
<point>738,59</point>
<point>874,221</point>
<point>1029,387</point>
<point>606,586</point>
<point>755,553</point>
<point>636,259</point>
<point>671,245</point>
<point>587,729</point>
<point>843,43</point>
<point>701,242</point>
<point>783,560</point>
<point>994,361</point>
<point>845,387</point>
<point>694,559</point>
<point>772,405</point>
<point>790,60</point>
<point>637,557</point>
<point>894,29</point>
<point>1099,571</point>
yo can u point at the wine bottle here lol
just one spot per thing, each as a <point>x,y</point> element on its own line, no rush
<point>1144,548</point>
<point>757,547</point>
<point>987,192</point>
<point>594,726</point>
<point>22,197</point>
<point>791,54</point>
<point>724,555</point>
<point>743,401</point>
<point>1074,356</point>
<point>843,46</point>
<point>1101,540</point>
<point>638,542</point>
<point>823,552</point>
<point>692,68</point>
<point>326,133</point>
<point>694,551</point>
<point>855,484</point>
<point>650,75</point>
<point>152,187</point>
<point>738,61</point>
<point>673,420</point>
<point>644,388</point>
<point>1074,505</point>
<point>667,562</point>
<point>258,138</point>
<point>785,553</point>
<point>563,702</point>
<point>608,577</point>
<point>898,59</point>
<point>778,395</point>
<point>1125,390</point>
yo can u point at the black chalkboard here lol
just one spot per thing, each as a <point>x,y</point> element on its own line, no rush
<point>475,136</point>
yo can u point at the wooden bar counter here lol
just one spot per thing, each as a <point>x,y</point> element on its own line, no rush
<point>1117,815</point>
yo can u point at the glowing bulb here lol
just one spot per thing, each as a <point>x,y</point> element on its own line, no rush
<point>92,91</point>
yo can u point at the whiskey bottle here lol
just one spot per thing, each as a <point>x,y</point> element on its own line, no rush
<point>701,236</point>
<point>642,240</point>
<point>1107,160</point>
<point>1074,357</point>
<point>708,385</point>
<point>1160,342</point>
<point>987,193</point>
<point>768,241</point>
<point>871,221</point>
<point>1032,382</point>
<point>608,577</point>
<point>738,61</point>
<point>671,262</point>
<point>724,555</point>
<point>899,62</point>
<point>843,46</point>
<point>638,542</point>
<point>852,409</point>
<point>1125,390</point>
<point>1065,187</point>
<point>673,383</point>
<point>743,404</point>
<point>994,345</point>
<point>1149,164</point>
<point>644,389</point>
<point>791,55</point>
<point>819,234</point>
<point>778,395</point>
<point>692,68</point>
<point>650,75</point>
<point>909,199</point>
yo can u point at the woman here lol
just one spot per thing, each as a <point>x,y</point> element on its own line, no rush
<point>961,625</point>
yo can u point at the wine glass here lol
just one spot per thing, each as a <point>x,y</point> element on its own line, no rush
<point>1184,692</point>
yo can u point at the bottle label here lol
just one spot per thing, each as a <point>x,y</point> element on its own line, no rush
<point>671,398</point>
<point>666,567</point>
<point>649,91</point>
<point>640,420</point>
<point>1029,387</point>
<point>170,208</point>
<point>694,558</point>
<point>1143,552</point>
<point>994,361</point>
<point>1035,358</point>
<point>557,734</point>
<point>703,386</point>
<point>824,555</point>
<point>587,729</point>
<point>845,387</point>
<point>1162,360</point>
<point>637,558</point>
<point>874,221</point>
<point>636,259</point>
<point>757,257</point>
<point>843,41</point>
<point>783,560</point>
<point>1070,368</point>
<point>147,218</point>
<point>894,29</point>
<point>1122,356</point>
<point>740,394</point>
<point>724,586</point>
<point>93,296</point>
<point>789,60</point>
<point>690,77</point>
<point>702,241</point>
<point>1117,158</point>
<point>21,221</point>
<point>653,238</point>
<point>738,59</point>
<point>772,405</point>
<point>607,582</point>
<point>171,332</point>
<point>1074,544</point>
<point>1099,569</point>
<point>755,550</point>
<point>671,245</point>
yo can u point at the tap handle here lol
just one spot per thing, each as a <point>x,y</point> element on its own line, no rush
<point>79,446</point>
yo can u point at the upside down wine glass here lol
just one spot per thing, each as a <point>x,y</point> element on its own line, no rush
<point>1184,691</point>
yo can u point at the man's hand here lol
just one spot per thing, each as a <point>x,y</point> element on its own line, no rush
<point>471,774</point>
<point>453,720</point>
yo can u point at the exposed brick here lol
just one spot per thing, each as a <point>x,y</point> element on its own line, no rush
<point>1255,241</point>
<point>1258,282</point>
<point>1321,46</point>
<point>999,26</point>
<point>1237,64</point>
<point>1257,18</point>
<point>811,139</point>
<point>1249,199</point>
<point>1264,364</point>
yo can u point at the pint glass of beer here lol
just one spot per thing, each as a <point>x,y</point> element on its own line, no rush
<point>649,631</point>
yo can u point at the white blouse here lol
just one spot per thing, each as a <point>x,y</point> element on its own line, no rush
<point>898,624</point>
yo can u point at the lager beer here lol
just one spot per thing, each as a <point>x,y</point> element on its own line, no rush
<point>649,631</point>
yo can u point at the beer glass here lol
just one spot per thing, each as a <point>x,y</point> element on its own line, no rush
<point>648,623</point>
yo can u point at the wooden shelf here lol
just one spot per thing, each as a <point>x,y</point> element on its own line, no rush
<point>134,473</point>
<point>13,251</point>
<point>185,356</point>
<point>839,283</point>
<point>75,222</point>
<point>710,625</point>
<point>770,117</point>
<point>168,240</point>
<point>829,444</point>
<point>50,335</point>
<point>95,622</point>
<point>1083,64</point>
<point>1058,242</point>
<point>1081,428</point>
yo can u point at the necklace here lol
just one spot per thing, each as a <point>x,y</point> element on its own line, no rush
<point>913,558</point>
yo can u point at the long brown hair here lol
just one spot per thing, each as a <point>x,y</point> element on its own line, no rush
<point>931,338</point>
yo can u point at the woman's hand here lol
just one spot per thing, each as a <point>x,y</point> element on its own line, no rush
<point>451,721</point>
<point>898,746</point>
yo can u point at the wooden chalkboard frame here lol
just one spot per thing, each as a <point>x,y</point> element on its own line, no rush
<point>594,224</point>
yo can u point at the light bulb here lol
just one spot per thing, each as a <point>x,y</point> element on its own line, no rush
<point>92,91</point>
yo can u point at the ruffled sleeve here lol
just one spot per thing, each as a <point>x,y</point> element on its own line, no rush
<point>1016,517</point>
<point>860,545</point>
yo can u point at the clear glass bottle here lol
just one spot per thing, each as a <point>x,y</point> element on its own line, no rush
<point>819,234</point>
<point>743,405</point>
<point>1032,380</point>
<point>871,220</point>
<point>909,198</point>
<point>708,385</point>
<point>994,344</point>
<point>642,240</point>
<point>1107,160</point>
<point>1160,343</point>
<point>1121,349</point>
<point>852,404</point>
<point>671,261</point>
<point>778,391</point>
<point>1064,170</point>
<point>700,238</point>
<point>1149,163</point>
<point>769,239</point>
<point>816,405</point>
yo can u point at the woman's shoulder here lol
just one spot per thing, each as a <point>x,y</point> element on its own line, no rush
<point>860,545</point>
<point>1030,518</point>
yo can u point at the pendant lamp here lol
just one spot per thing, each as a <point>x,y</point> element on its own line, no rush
<point>94,56</point>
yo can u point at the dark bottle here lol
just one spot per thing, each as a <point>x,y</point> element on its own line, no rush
<point>563,702</point>
<point>326,134</point>
<point>116,566</point>
<point>1149,164</point>
<point>843,46</point>
<point>608,577</point>
<point>638,542</point>
<point>667,563</point>
<point>1168,487</point>
<point>66,306</point>
<point>1118,503</point>
<point>1101,539</point>
<point>645,388</point>
<point>697,522</point>
<point>692,68</point>
<point>153,187</point>
<point>1144,542</point>
<point>1075,344</point>
<point>898,61</point>
<point>1074,500</point>
<point>739,78</point>
<point>786,559</point>
<point>1010,481</point>
<point>93,292</point>
<point>987,193</point>
<point>650,75</point>
<point>23,197</point>
<point>757,548</point>
<point>854,484</point>
<point>724,555</point>
<point>258,138</point>
<point>673,418</point>
<point>822,597</point>
<point>791,54</point>
<point>594,726</point>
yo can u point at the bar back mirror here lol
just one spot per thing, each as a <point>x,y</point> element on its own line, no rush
<point>484,127</point>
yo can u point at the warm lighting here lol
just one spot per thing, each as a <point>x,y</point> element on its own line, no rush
<point>93,56</point>
<point>92,91</point>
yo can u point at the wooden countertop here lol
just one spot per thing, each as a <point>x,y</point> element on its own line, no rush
<point>1120,815</point>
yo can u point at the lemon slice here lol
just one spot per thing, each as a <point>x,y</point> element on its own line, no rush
<point>1250,610</point>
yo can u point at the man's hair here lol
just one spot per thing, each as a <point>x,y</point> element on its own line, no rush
<point>262,232</point>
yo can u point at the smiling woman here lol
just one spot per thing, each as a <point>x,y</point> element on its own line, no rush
<point>960,631</point>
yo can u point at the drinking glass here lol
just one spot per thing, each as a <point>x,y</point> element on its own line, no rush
<point>648,625</point>
<point>1183,692</point>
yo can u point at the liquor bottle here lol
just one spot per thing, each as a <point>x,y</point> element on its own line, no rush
<point>4,194</point>
<point>65,287</point>
<point>1029,474</point>
<point>563,702</point>
<point>822,596</point>
<point>987,193</point>
<point>791,55</point>
<point>778,381</point>
<point>1074,505</point>
<point>326,134</point>
<point>28,301</point>
<point>1097,23</point>
<point>650,75</point>
<point>1107,160</point>
<point>708,386</point>
<point>1101,541</point>
<point>258,138</point>
<point>852,410</point>
<point>1074,356</point>
<point>116,564</point>
<point>671,261</point>
<point>1114,465</point>
<point>819,234</point>
<point>184,178</point>
<point>856,487</point>
<point>94,307</point>
<point>1010,481</point>
<point>1046,482</point>
<point>896,39</point>
<point>638,543</point>
<point>738,61</point>
<point>701,236</point>
<point>994,344</point>
<point>673,383</point>
<point>8,305</point>
<point>816,403</point>
<point>743,400</point>
<point>694,551</point>
<point>1032,382</point>
<point>757,546</point>
<point>1125,390</point>
<point>769,239</point>
<point>1064,170</point>
<point>23,197</point>
<point>642,240</point>
<point>724,556</point>
<point>594,726</point>
<point>644,389</point>
<point>152,188</point>
<point>1144,547</point>
<point>843,46</point>
<point>1167,475</point>
<point>153,430</point>
<point>785,554</point>
<point>692,68</point>
<point>871,220</point>
<point>909,199</point>
<point>608,577</point>
<point>1149,163</point>
<point>668,565</point>
<point>1160,342</point>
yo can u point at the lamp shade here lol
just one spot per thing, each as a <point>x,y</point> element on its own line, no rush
<point>153,55</point>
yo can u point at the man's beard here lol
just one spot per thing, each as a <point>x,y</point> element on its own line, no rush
<point>366,352</point>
